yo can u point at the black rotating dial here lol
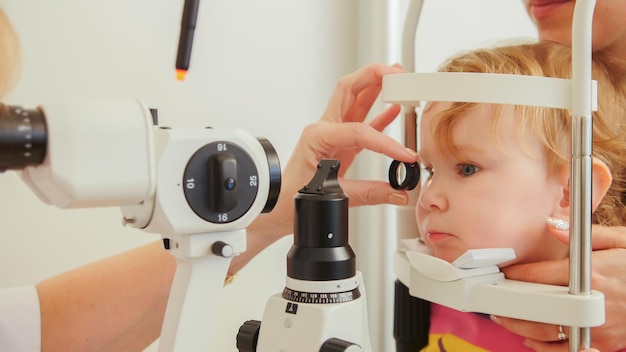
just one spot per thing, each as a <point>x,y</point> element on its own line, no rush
<point>221,182</point>
<point>321,298</point>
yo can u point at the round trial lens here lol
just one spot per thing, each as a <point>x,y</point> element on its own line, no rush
<point>403,175</point>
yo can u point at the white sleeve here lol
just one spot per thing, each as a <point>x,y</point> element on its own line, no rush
<point>20,320</point>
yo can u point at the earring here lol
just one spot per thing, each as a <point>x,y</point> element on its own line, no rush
<point>558,224</point>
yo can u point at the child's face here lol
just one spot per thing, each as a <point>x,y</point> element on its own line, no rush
<point>495,193</point>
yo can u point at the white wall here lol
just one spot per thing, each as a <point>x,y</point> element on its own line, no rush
<point>255,63</point>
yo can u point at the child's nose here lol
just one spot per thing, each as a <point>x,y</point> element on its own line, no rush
<point>432,196</point>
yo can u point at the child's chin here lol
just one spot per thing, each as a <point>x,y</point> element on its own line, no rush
<point>446,254</point>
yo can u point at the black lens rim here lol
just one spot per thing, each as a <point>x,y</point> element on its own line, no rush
<point>412,175</point>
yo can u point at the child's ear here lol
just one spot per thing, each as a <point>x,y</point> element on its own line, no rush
<point>600,184</point>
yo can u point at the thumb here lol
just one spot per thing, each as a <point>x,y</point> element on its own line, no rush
<point>603,237</point>
<point>373,193</point>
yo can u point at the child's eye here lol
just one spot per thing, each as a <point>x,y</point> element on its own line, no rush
<point>467,170</point>
<point>426,172</point>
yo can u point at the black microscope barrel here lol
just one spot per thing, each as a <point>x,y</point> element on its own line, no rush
<point>321,251</point>
<point>23,138</point>
<point>321,221</point>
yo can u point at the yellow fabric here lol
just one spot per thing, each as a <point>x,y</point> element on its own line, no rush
<point>451,343</point>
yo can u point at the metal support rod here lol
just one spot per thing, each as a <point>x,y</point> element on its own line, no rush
<point>410,127</point>
<point>580,181</point>
<point>580,215</point>
<point>408,62</point>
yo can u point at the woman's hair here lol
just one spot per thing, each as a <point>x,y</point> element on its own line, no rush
<point>552,126</point>
<point>9,55</point>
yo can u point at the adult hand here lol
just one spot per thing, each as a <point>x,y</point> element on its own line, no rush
<point>608,276</point>
<point>341,134</point>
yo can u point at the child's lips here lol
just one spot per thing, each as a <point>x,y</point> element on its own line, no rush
<point>438,236</point>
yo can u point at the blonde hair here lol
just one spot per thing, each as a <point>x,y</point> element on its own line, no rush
<point>10,55</point>
<point>552,126</point>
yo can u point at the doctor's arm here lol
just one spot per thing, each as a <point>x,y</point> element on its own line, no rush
<point>115,304</point>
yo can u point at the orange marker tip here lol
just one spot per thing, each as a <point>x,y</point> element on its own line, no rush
<point>180,74</point>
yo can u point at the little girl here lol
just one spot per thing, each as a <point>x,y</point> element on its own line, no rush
<point>498,176</point>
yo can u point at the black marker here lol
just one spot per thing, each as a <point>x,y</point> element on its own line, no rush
<point>185,42</point>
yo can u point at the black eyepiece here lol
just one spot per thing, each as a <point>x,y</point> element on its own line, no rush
<point>23,138</point>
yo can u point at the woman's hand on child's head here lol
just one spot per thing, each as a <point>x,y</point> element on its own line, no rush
<point>608,276</point>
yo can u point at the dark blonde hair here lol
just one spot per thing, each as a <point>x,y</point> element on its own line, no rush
<point>552,126</point>
<point>9,55</point>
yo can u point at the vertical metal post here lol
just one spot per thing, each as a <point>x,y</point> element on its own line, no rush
<point>580,179</point>
<point>408,62</point>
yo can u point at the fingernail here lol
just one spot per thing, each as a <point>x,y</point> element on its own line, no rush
<point>495,319</point>
<point>528,343</point>
<point>412,152</point>
<point>558,224</point>
<point>398,199</point>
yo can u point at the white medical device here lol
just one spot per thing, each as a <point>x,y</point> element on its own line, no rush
<point>472,290</point>
<point>323,306</point>
<point>197,187</point>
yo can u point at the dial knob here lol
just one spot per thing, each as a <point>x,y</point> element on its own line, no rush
<point>248,336</point>
<point>338,345</point>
